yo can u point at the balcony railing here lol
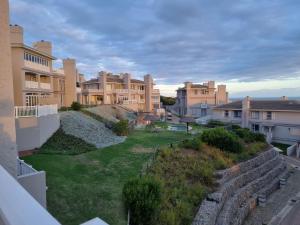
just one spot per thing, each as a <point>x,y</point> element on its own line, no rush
<point>35,111</point>
<point>128,102</point>
<point>24,168</point>
<point>121,90</point>
<point>45,86</point>
<point>155,91</point>
<point>142,101</point>
<point>31,84</point>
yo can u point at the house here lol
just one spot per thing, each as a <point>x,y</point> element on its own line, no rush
<point>197,99</point>
<point>138,95</point>
<point>35,80</point>
<point>279,119</point>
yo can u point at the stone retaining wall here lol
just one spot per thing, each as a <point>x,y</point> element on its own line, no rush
<point>239,187</point>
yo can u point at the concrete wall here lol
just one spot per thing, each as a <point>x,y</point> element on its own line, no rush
<point>35,184</point>
<point>8,151</point>
<point>33,132</point>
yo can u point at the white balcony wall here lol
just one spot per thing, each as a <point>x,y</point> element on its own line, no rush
<point>36,66</point>
<point>46,86</point>
<point>18,207</point>
<point>31,84</point>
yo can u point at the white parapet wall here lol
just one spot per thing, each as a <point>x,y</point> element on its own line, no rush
<point>32,132</point>
<point>18,207</point>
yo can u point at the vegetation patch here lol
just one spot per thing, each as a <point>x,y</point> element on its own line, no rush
<point>281,146</point>
<point>186,173</point>
<point>141,149</point>
<point>65,144</point>
<point>121,128</point>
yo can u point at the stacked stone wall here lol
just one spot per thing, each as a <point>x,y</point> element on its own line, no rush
<point>239,188</point>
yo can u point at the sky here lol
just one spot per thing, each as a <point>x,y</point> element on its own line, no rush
<point>252,46</point>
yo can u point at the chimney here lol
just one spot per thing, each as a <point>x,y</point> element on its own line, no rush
<point>187,84</point>
<point>245,112</point>
<point>70,81</point>
<point>16,34</point>
<point>284,98</point>
<point>43,46</point>
<point>211,84</point>
<point>148,92</point>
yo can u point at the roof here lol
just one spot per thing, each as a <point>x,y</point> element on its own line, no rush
<point>137,81</point>
<point>280,105</point>
<point>33,50</point>
<point>199,86</point>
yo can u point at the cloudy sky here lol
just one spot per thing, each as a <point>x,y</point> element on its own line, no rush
<point>253,46</point>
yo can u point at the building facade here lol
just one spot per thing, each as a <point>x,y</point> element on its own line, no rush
<point>197,99</point>
<point>138,95</point>
<point>35,80</point>
<point>279,120</point>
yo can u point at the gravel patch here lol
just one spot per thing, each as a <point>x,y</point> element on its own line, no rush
<point>90,130</point>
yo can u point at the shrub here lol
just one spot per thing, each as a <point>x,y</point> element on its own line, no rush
<point>63,108</point>
<point>215,123</point>
<point>121,128</point>
<point>75,106</point>
<point>249,136</point>
<point>222,139</point>
<point>194,143</point>
<point>142,197</point>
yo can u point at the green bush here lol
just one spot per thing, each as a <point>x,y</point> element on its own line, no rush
<point>194,143</point>
<point>215,123</point>
<point>75,106</point>
<point>63,108</point>
<point>142,197</point>
<point>222,139</point>
<point>121,128</point>
<point>249,136</point>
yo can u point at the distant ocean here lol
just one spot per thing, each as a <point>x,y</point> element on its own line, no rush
<point>264,98</point>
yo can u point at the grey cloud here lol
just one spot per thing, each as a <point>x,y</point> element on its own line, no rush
<point>173,39</point>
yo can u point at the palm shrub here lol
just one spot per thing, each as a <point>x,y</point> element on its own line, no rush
<point>222,139</point>
<point>142,197</point>
<point>76,106</point>
<point>121,128</point>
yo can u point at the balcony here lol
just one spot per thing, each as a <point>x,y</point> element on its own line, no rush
<point>121,91</point>
<point>35,111</point>
<point>31,84</point>
<point>142,101</point>
<point>137,91</point>
<point>46,86</point>
<point>92,90</point>
<point>36,66</point>
<point>155,91</point>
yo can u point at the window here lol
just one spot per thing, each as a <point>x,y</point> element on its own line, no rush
<point>195,92</point>
<point>255,127</point>
<point>237,113</point>
<point>255,115</point>
<point>269,116</point>
<point>226,113</point>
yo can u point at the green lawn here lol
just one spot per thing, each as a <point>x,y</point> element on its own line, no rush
<point>84,186</point>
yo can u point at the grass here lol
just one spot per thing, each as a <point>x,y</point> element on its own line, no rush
<point>84,186</point>
<point>281,146</point>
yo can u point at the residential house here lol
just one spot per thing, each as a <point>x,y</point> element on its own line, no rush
<point>138,95</point>
<point>197,99</point>
<point>36,81</point>
<point>279,120</point>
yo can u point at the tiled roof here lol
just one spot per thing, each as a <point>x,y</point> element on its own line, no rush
<point>264,105</point>
<point>94,80</point>
<point>199,86</point>
<point>114,79</point>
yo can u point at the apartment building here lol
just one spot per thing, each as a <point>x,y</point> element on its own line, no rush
<point>279,120</point>
<point>36,81</point>
<point>197,100</point>
<point>138,95</point>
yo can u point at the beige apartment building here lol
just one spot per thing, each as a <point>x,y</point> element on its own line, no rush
<point>35,80</point>
<point>138,95</point>
<point>279,120</point>
<point>197,100</point>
